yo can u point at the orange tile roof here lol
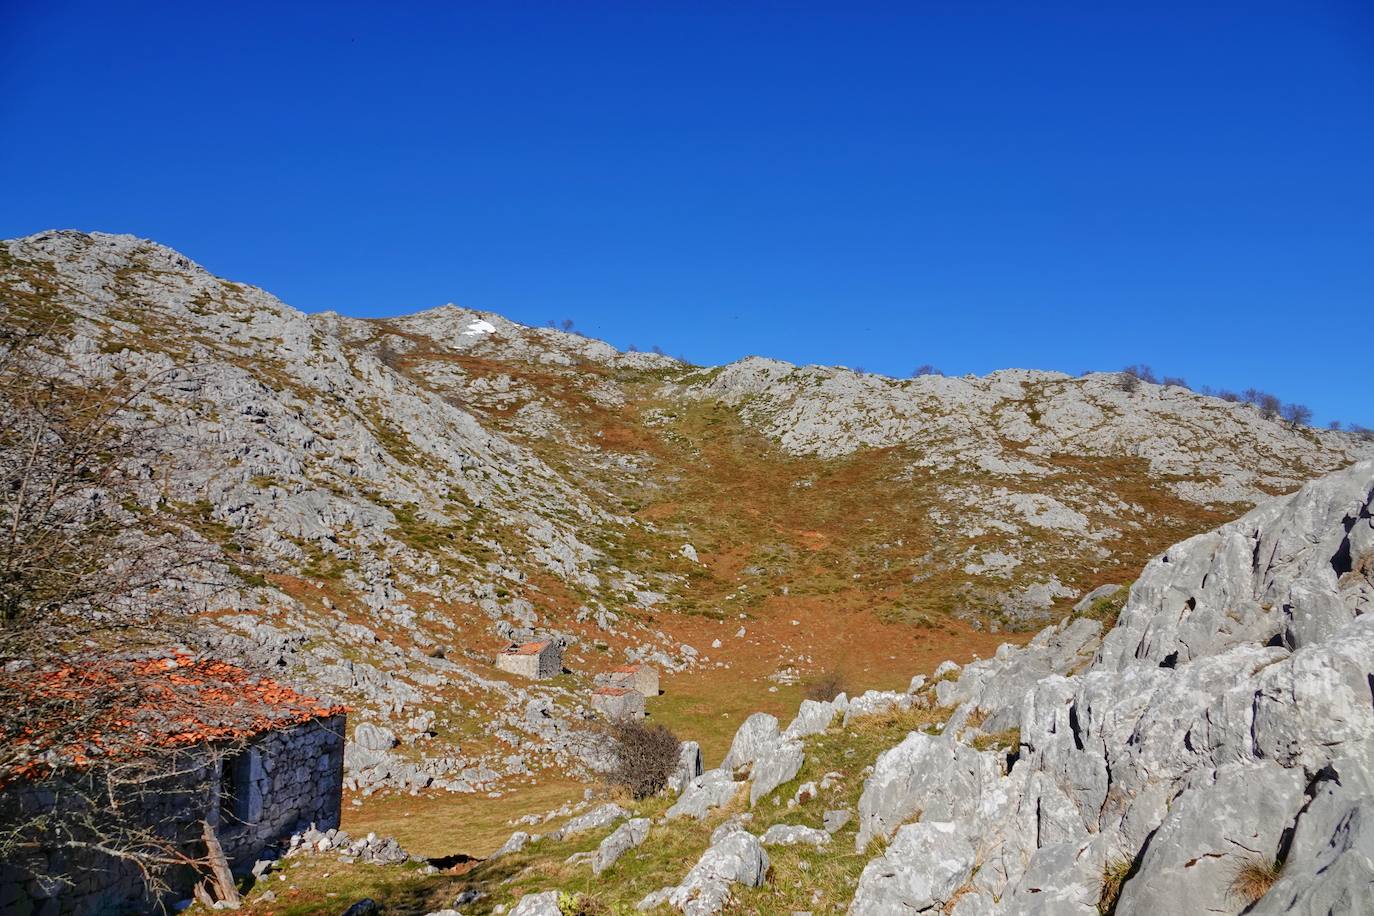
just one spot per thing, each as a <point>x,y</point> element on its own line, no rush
<point>529,648</point>
<point>176,701</point>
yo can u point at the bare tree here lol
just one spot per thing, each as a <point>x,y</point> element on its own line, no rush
<point>1142,372</point>
<point>925,369</point>
<point>1334,425</point>
<point>1176,381</point>
<point>1297,415</point>
<point>1363,433</point>
<point>1228,395</point>
<point>91,565</point>
<point>566,324</point>
<point>1269,405</point>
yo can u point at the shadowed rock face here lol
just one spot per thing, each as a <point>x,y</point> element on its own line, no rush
<point>1227,720</point>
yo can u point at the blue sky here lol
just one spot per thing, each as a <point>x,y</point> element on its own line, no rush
<point>975,185</point>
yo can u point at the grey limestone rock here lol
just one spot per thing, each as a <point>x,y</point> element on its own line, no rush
<point>545,904</point>
<point>735,857</point>
<point>794,834</point>
<point>621,840</point>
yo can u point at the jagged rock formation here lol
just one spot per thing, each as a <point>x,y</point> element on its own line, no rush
<point>398,498</point>
<point>1226,721</point>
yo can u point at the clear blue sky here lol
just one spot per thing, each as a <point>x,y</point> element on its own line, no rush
<point>974,185</point>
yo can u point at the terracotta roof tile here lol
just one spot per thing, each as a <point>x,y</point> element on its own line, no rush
<point>529,648</point>
<point>172,702</point>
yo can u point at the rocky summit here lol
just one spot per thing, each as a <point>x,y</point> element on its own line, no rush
<point>394,500</point>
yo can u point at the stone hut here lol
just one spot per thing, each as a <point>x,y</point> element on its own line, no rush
<point>255,761</point>
<point>640,677</point>
<point>536,660</point>
<point>618,702</point>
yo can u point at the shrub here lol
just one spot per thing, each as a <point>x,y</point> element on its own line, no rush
<point>1268,405</point>
<point>925,369</point>
<point>826,687</point>
<point>1176,381</point>
<point>645,756</point>
<point>1363,433</point>
<point>1228,395</point>
<point>1254,878</point>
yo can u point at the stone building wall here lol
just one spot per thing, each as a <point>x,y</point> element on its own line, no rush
<point>546,663</point>
<point>521,665</point>
<point>619,703</point>
<point>280,780</point>
<point>643,678</point>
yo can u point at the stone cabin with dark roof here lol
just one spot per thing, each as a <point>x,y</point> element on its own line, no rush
<point>537,660</point>
<point>255,760</point>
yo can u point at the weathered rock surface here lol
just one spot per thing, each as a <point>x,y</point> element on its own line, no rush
<point>709,790</point>
<point>545,904</point>
<point>1227,720</point>
<point>735,857</point>
<point>759,732</point>
<point>689,767</point>
<point>624,838</point>
<point>794,834</point>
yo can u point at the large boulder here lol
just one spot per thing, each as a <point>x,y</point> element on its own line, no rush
<point>1226,721</point>
<point>776,764</point>
<point>600,816</point>
<point>689,767</point>
<point>934,777</point>
<point>734,857</point>
<point>813,717</point>
<point>758,732</point>
<point>709,790</point>
<point>545,904</point>
<point>624,838</point>
<point>922,868</point>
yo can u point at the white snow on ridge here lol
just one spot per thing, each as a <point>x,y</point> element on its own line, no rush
<point>480,326</point>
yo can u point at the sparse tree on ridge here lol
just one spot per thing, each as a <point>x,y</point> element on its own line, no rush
<point>1297,415</point>
<point>925,369</point>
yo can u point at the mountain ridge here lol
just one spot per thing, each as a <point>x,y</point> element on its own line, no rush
<point>419,490</point>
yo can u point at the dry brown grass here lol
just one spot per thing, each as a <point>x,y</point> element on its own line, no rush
<point>1253,878</point>
<point>1114,876</point>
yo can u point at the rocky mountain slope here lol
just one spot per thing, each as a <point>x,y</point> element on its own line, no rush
<point>398,498</point>
<point>1211,750</point>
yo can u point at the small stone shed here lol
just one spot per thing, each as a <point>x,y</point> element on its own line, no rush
<point>640,677</point>
<point>254,759</point>
<point>618,702</point>
<point>536,660</point>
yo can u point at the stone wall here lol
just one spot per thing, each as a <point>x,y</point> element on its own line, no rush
<point>280,780</point>
<point>619,703</point>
